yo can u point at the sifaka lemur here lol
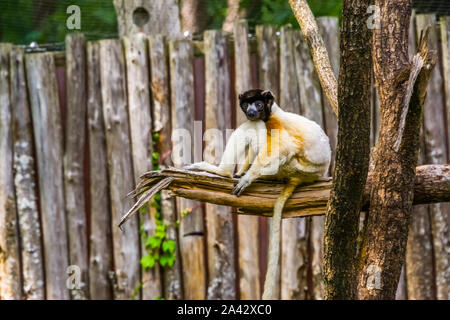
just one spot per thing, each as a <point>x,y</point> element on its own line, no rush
<point>281,145</point>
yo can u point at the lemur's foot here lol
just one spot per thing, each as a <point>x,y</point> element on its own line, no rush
<point>240,186</point>
<point>192,166</point>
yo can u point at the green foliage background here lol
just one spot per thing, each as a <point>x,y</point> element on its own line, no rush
<point>44,21</point>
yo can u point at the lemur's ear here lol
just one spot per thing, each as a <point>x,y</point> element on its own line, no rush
<point>267,94</point>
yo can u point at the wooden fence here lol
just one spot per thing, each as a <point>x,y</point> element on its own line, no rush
<point>77,128</point>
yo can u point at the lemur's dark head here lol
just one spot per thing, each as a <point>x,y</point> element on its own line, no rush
<point>256,104</point>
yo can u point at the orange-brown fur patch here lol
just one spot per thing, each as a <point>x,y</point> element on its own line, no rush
<point>272,124</point>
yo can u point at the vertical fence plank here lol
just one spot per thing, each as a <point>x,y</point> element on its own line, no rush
<point>268,74</point>
<point>435,152</point>
<point>220,241</point>
<point>268,58</point>
<point>247,226</point>
<point>100,244</point>
<point>191,232</point>
<point>445,38</point>
<point>294,253</point>
<point>141,143</point>
<point>48,136</point>
<point>73,159</point>
<point>10,278</point>
<point>419,250</point>
<point>114,97</point>
<point>25,181</point>
<point>158,55</point>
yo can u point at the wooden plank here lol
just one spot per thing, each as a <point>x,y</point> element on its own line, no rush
<point>220,236</point>
<point>48,138</point>
<point>74,159</point>
<point>329,29</point>
<point>114,97</point>
<point>268,58</point>
<point>445,39</point>
<point>100,243</point>
<point>10,277</point>
<point>268,74</point>
<point>191,230</point>
<point>435,152</point>
<point>294,246</point>
<point>142,145</point>
<point>159,67</point>
<point>419,250</point>
<point>25,181</point>
<point>247,227</point>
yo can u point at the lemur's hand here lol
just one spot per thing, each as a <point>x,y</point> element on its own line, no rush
<point>240,186</point>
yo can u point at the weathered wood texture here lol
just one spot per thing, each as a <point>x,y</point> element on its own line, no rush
<point>268,74</point>
<point>192,246</point>
<point>136,56</point>
<point>432,185</point>
<point>436,152</point>
<point>149,17</point>
<point>220,236</point>
<point>194,16</point>
<point>352,154</point>
<point>100,244</point>
<point>294,244</point>
<point>25,181</point>
<point>118,146</point>
<point>385,237</point>
<point>74,145</point>
<point>159,66</point>
<point>10,277</point>
<point>445,40</point>
<point>319,52</point>
<point>247,227</point>
<point>48,139</point>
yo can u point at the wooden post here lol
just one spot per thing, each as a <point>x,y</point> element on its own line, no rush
<point>141,143</point>
<point>114,97</point>
<point>48,137</point>
<point>74,159</point>
<point>190,213</point>
<point>436,152</point>
<point>268,74</point>
<point>100,244</point>
<point>445,39</point>
<point>10,277</point>
<point>220,241</point>
<point>158,55</point>
<point>419,249</point>
<point>294,253</point>
<point>247,227</point>
<point>329,29</point>
<point>149,17</point>
<point>25,181</point>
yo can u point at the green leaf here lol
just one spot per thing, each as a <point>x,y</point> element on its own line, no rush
<point>169,246</point>
<point>147,262</point>
<point>153,242</point>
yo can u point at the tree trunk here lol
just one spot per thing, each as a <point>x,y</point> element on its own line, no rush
<point>383,246</point>
<point>352,158</point>
<point>149,17</point>
<point>194,16</point>
<point>233,15</point>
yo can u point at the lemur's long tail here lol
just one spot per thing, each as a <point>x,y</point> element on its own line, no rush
<point>275,238</point>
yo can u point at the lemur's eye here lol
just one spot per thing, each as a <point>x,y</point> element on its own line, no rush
<point>259,105</point>
<point>245,105</point>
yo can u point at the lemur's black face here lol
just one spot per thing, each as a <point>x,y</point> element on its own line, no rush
<point>256,104</point>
